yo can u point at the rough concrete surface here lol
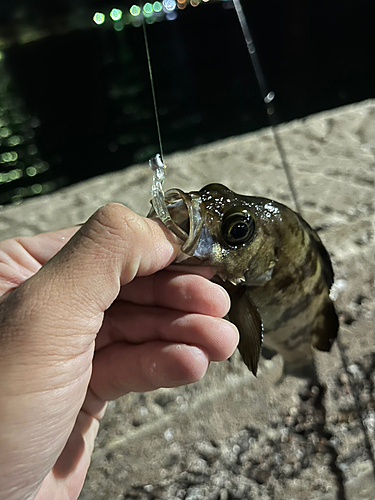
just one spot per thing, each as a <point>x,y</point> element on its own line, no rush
<point>231,436</point>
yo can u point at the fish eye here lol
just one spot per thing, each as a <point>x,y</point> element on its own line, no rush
<point>214,187</point>
<point>237,227</point>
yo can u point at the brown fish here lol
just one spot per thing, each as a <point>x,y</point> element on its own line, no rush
<point>273,265</point>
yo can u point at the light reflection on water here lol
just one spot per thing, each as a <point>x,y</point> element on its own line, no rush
<point>79,104</point>
<point>20,162</point>
<point>100,114</point>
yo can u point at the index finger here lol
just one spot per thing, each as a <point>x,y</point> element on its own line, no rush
<point>42,247</point>
<point>173,290</point>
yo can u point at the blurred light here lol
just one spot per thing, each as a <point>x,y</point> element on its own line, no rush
<point>157,7</point>
<point>137,21</point>
<point>5,132</point>
<point>98,18</point>
<point>14,174</point>
<point>118,25</point>
<point>34,122</point>
<point>49,186</point>
<point>19,117</point>
<point>116,14</point>
<point>15,140</point>
<point>31,171</point>
<point>135,10</point>
<point>21,192</point>
<point>194,3</point>
<point>205,0</point>
<point>42,166</point>
<point>32,149</point>
<point>36,188</point>
<point>169,5</point>
<point>147,8</point>
<point>181,6</point>
<point>8,157</point>
<point>171,16</point>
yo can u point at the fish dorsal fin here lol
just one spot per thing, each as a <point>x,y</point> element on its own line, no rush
<point>245,316</point>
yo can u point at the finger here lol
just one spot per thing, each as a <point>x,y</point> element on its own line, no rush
<point>204,271</point>
<point>186,292</point>
<point>74,288</point>
<point>22,257</point>
<point>121,368</point>
<point>113,247</point>
<point>43,247</point>
<point>139,324</point>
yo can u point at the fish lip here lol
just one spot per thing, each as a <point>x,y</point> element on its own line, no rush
<point>193,203</point>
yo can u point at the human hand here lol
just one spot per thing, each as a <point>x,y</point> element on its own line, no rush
<point>85,322</point>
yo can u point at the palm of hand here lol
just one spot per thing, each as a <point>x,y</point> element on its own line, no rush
<point>84,348</point>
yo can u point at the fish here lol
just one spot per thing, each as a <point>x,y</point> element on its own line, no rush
<point>273,265</point>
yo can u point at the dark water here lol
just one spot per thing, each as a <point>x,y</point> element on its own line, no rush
<point>78,104</point>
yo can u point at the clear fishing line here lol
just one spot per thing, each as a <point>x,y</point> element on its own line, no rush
<point>152,86</point>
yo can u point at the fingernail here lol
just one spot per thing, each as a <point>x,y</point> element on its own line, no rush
<point>225,296</point>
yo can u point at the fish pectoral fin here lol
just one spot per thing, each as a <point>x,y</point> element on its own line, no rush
<point>326,328</point>
<point>245,316</point>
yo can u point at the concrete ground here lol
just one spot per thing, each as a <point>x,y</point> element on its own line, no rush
<point>231,436</point>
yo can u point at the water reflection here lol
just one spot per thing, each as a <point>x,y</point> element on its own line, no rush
<point>76,94</point>
<point>20,161</point>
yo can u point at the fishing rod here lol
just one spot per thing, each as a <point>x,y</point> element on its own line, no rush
<point>268,98</point>
<point>267,95</point>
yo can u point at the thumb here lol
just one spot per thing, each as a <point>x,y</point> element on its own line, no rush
<point>111,249</point>
<point>48,326</point>
<point>65,300</point>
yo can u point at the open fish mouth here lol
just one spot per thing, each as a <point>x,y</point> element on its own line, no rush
<point>183,214</point>
<point>186,220</point>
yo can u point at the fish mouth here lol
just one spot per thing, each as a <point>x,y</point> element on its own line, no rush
<point>187,220</point>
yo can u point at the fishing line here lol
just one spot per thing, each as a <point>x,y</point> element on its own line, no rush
<point>152,87</point>
<point>268,97</point>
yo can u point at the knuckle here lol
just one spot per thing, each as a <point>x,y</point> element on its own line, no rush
<point>114,218</point>
<point>115,221</point>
